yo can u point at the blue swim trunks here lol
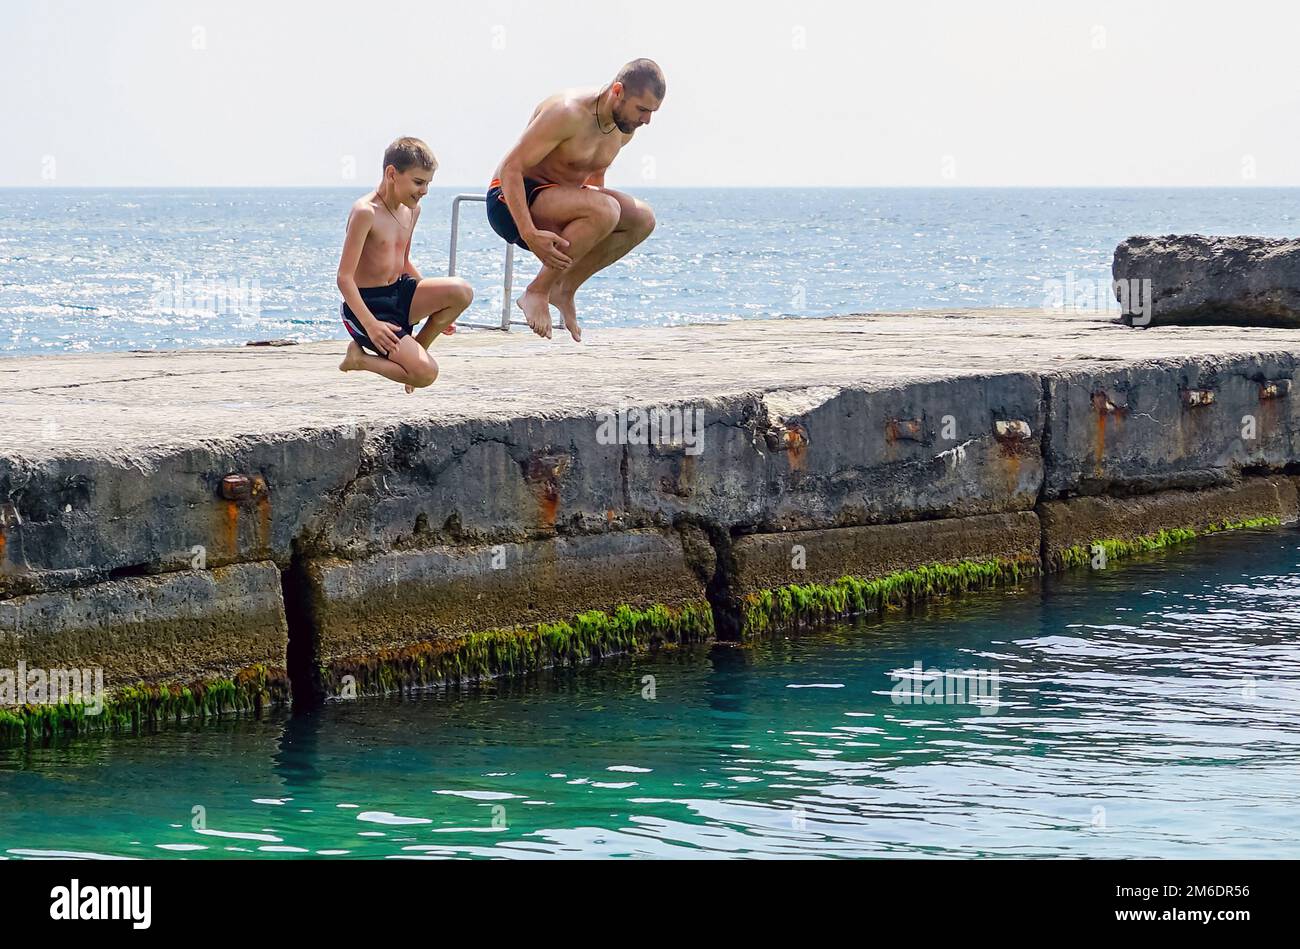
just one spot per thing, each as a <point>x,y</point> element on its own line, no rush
<point>392,304</point>
<point>499,216</point>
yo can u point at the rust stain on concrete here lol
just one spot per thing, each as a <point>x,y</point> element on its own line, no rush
<point>1014,436</point>
<point>549,503</point>
<point>264,521</point>
<point>543,473</point>
<point>261,494</point>
<point>796,444</point>
<point>229,529</point>
<point>1105,408</point>
<point>1011,463</point>
<point>791,438</point>
<point>903,429</point>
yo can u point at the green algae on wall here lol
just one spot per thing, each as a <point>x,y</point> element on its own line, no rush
<point>850,596</point>
<point>1081,555</point>
<point>588,636</point>
<point>511,652</point>
<point>143,707</point>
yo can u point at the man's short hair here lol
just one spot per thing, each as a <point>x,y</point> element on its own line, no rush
<point>642,75</point>
<point>406,153</point>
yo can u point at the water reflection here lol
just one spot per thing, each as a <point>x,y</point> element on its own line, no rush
<point>1148,710</point>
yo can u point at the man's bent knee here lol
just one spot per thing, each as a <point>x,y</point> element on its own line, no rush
<point>636,218</point>
<point>606,213</point>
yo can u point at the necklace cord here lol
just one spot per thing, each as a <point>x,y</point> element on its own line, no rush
<point>596,113</point>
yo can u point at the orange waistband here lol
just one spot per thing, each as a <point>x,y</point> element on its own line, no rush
<point>496,183</point>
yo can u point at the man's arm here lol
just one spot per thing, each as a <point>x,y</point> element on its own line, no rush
<point>543,136</point>
<point>359,224</point>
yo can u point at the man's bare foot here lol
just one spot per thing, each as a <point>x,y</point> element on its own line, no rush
<point>537,310</point>
<point>562,300</point>
<point>451,328</point>
<point>352,361</point>
<point>409,388</point>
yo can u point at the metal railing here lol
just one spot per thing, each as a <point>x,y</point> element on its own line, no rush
<point>510,264</point>
<point>508,282</point>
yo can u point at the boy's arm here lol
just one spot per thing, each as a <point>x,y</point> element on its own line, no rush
<point>359,224</point>
<point>543,135</point>
<point>407,266</point>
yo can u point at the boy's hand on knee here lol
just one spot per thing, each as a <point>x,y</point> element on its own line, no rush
<point>383,336</point>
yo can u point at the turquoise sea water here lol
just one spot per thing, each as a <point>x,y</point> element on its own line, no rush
<point>1146,710</point>
<point>86,270</point>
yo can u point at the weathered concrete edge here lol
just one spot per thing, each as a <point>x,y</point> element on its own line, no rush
<point>232,616</point>
<point>1151,426</point>
<point>393,599</point>
<point>987,552</point>
<point>212,623</point>
<point>787,580</point>
<point>1081,529</point>
<point>982,552</point>
<point>1126,464</point>
<point>474,657</point>
<point>799,458</point>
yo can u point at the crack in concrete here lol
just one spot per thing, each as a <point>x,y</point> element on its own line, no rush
<point>243,370</point>
<point>623,477</point>
<point>1044,440</point>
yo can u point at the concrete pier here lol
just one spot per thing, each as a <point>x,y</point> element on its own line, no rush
<point>187,517</point>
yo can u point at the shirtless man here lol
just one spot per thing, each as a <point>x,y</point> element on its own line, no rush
<point>384,295</point>
<point>549,194</point>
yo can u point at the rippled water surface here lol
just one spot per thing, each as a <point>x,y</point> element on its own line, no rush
<point>1147,710</point>
<point>88,270</point>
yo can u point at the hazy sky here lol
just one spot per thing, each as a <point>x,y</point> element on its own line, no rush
<point>276,92</point>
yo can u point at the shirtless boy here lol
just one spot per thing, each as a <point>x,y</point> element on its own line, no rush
<point>384,295</point>
<point>549,194</point>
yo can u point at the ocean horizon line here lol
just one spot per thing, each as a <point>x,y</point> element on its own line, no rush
<point>705,187</point>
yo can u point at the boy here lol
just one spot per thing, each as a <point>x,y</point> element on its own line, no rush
<point>383,294</point>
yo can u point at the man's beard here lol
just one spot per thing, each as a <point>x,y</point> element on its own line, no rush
<point>622,124</point>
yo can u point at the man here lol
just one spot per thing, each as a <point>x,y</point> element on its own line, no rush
<point>549,194</point>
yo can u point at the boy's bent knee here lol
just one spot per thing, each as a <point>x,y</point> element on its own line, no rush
<point>425,376</point>
<point>464,292</point>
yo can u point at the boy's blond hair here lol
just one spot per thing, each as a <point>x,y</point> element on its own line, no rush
<point>407,153</point>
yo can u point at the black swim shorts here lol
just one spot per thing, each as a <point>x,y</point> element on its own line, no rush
<point>499,215</point>
<point>392,304</point>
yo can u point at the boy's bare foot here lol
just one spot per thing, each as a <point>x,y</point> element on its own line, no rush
<point>353,359</point>
<point>562,300</point>
<point>537,310</point>
<point>451,328</point>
